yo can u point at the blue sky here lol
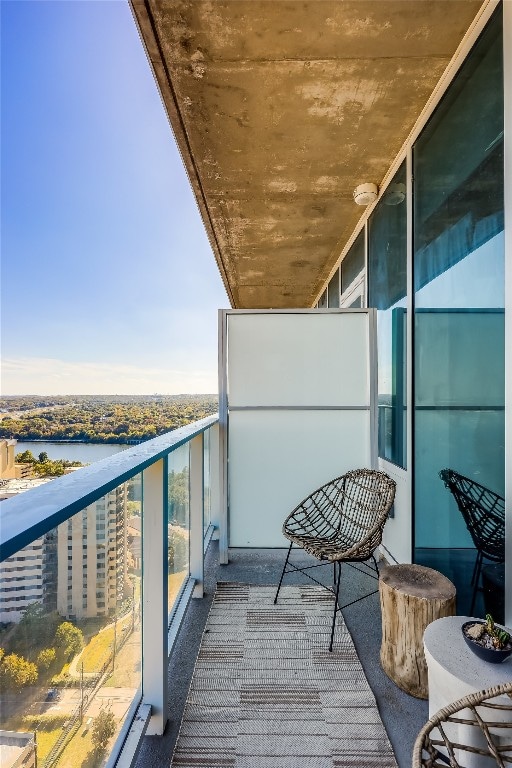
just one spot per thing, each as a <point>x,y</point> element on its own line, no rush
<point>109,284</point>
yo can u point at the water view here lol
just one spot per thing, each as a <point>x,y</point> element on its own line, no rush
<point>87,453</point>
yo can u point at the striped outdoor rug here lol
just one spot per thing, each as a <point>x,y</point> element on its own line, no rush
<point>266,692</point>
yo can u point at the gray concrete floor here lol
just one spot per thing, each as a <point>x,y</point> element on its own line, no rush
<point>403,715</point>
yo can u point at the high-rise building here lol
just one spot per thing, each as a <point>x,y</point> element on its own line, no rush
<point>91,558</point>
<point>24,575</point>
<point>78,568</point>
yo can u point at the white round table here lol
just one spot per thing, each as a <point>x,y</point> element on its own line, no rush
<point>455,671</point>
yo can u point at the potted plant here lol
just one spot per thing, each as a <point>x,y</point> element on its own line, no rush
<point>489,641</point>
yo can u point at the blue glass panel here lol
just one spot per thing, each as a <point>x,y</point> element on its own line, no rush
<point>459,316</point>
<point>178,521</point>
<point>353,263</point>
<point>387,289</point>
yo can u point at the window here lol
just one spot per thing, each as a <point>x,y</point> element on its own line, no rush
<point>333,290</point>
<point>459,386</point>
<point>387,292</point>
<point>353,264</point>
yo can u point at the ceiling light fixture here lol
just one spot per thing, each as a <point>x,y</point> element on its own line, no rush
<point>364,194</point>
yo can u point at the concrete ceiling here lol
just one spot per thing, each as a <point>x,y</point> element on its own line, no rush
<point>280,108</point>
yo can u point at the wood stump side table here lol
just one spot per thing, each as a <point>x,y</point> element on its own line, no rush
<point>411,597</point>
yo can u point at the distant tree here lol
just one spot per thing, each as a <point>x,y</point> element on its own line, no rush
<point>43,456</point>
<point>49,468</point>
<point>32,616</point>
<point>16,672</point>
<point>69,639</point>
<point>178,495</point>
<point>103,729</point>
<point>33,624</point>
<point>133,508</point>
<point>26,457</point>
<point>45,658</point>
<point>177,550</point>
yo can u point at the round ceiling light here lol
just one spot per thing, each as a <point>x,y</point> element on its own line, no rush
<point>364,194</point>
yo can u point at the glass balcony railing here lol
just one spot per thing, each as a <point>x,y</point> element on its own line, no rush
<point>178,521</point>
<point>82,596</point>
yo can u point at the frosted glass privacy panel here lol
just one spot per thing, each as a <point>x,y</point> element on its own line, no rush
<point>298,359</point>
<point>277,458</point>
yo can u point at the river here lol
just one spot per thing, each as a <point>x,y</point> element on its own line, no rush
<point>87,453</point>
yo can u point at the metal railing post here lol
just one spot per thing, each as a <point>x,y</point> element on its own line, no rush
<point>214,479</point>
<point>154,594</point>
<point>223,441</point>
<point>196,489</point>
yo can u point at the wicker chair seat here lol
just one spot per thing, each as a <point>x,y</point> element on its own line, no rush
<point>330,549</point>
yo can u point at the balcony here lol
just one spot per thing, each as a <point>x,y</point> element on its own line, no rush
<point>173,623</point>
<point>181,479</point>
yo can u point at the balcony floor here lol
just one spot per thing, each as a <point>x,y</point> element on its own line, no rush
<point>402,715</point>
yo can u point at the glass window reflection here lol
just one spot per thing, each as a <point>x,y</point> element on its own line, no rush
<point>178,520</point>
<point>459,309</point>
<point>387,286</point>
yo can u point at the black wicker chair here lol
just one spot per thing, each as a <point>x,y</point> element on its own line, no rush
<point>483,719</point>
<point>341,522</point>
<point>484,514</point>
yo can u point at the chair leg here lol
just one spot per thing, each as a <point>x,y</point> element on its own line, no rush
<point>478,568</point>
<point>337,579</point>
<point>282,574</point>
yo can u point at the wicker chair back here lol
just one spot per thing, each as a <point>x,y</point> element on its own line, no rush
<point>483,512</point>
<point>467,731</point>
<point>344,519</point>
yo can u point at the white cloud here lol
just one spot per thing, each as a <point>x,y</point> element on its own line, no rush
<point>49,376</point>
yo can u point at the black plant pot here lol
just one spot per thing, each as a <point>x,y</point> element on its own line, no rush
<point>492,655</point>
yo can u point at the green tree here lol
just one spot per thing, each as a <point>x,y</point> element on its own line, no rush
<point>35,623</point>
<point>178,496</point>
<point>26,457</point>
<point>16,672</point>
<point>69,639</point>
<point>49,468</point>
<point>43,456</point>
<point>103,729</point>
<point>133,508</point>
<point>45,658</point>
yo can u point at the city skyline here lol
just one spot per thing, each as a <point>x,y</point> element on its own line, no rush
<point>108,280</point>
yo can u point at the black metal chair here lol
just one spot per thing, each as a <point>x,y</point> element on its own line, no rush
<point>473,728</point>
<point>484,514</point>
<point>341,522</point>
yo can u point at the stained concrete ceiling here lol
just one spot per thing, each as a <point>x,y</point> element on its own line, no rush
<point>280,108</point>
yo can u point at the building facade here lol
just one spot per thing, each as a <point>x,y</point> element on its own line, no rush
<point>429,255</point>
<point>92,558</point>
<point>78,568</point>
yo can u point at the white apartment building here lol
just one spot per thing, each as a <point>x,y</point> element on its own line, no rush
<point>91,558</point>
<point>21,581</point>
<point>78,570</point>
<point>22,576</point>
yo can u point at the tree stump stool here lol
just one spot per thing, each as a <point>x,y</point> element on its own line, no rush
<point>411,597</point>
